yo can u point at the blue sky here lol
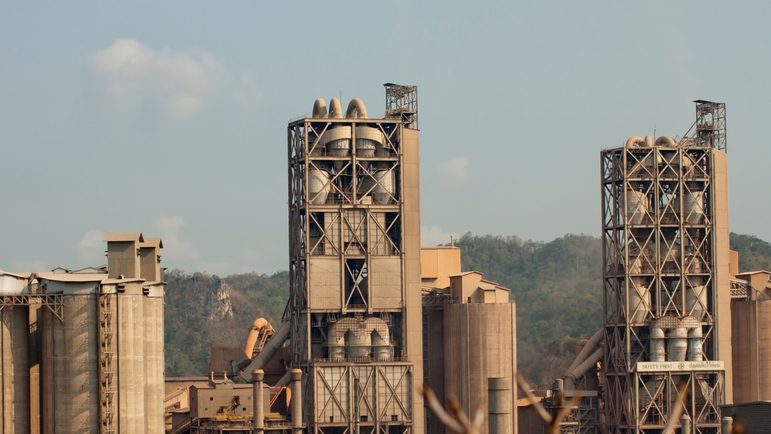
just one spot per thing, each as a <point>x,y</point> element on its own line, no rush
<point>171,118</point>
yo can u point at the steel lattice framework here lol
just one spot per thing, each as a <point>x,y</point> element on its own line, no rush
<point>660,251</point>
<point>347,266</point>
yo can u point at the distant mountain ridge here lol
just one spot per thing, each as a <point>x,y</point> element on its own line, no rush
<point>557,286</point>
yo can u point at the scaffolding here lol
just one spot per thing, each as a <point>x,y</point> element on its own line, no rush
<point>347,269</point>
<point>402,103</point>
<point>662,241</point>
<point>107,401</point>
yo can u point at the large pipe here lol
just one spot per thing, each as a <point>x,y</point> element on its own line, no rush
<point>335,108</point>
<point>356,109</point>
<point>666,141</point>
<point>258,397</point>
<point>634,141</point>
<point>319,108</point>
<point>254,333</point>
<point>590,345</point>
<point>273,345</point>
<point>297,401</point>
<point>577,373</point>
<point>284,380</point>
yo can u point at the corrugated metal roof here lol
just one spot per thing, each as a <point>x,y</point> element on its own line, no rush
<point>68,277</point>
<point>750,273</point>
<point>489,282</point>
<point>152,242</point>
<point>123,236</point>
<point>465,273</point>
<point>91,270</point>
<point>17,275</point>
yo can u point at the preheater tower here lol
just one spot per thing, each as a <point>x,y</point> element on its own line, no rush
<point>666,278</point>
<point>354,246</point>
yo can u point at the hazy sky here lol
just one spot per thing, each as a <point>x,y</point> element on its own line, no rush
<point>170,117</point>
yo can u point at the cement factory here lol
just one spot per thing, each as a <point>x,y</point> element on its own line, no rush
<point>372,316</point>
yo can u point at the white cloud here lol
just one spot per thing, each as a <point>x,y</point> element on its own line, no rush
<point>91,249</point>
<point>453,172</point>
<point>176,250</point>
<point>434,236</point>
<point>135,77</point>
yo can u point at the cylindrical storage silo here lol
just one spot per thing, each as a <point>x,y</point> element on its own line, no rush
<point>359,346</point>
<point>678,344</point>
<point>384,190</point>
<point>338,143</point>
<point>636,206</point>
<point>15,369</point>
<point>368,140</point>
<point>381,348</point>
<point>658,345</point>
<point>366,186</point>
<point>499,404</point>
<point>696,298</point>
<point>695,341</point>
<point>639,300</point>
<point>693,207</point>
<point>154,362</point>
<point>131,370</point>
<point>318,186</point>
<point>335,344</point>
<point>71,367</point>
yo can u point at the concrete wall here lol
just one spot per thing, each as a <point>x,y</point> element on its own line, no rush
<point>722,259</point>
<point>414,320</point>
<point>438,264</point>
<point>70,365</point>
<point>15,369</point>
<point>433,358</point>
<point>131,369</point>
<point>154,362</point>
<point>751,350</point>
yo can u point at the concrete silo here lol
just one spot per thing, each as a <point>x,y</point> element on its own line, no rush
<point>469,341</point>
<point>81,351</point>
<point>751,336</point>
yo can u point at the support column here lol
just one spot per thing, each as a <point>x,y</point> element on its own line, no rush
<point>297,401</point>
<point>499,402</point>
<point>257,399</point>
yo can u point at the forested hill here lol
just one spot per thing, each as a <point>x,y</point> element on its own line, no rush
<point>558,290</point>
<point>557,286</point>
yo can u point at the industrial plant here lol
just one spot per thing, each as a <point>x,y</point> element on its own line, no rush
<point>82,350</point>
<point>374,319</point>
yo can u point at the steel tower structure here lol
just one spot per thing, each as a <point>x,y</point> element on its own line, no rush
<point>354,246</point>
<point>666,279</point>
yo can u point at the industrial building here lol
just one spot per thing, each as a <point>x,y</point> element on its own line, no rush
<point>82,351</point>
<point>469,339</point>
<point>361,293</point>
<point>667,316</point>
<point>750,320</point>
<point>354,264</point>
